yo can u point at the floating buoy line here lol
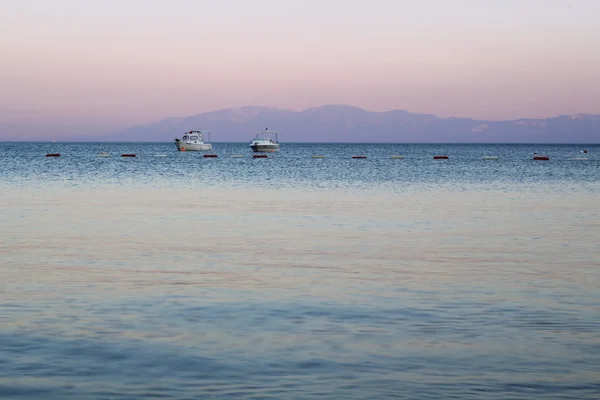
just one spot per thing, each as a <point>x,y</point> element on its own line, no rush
<point>535,157</point>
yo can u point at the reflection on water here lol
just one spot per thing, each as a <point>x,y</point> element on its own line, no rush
<point>122,293</point>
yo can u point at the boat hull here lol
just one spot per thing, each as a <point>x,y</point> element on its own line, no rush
<point>264,148</point>
<point>182,146</point>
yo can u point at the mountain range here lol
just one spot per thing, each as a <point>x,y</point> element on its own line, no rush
<point>343,123</point>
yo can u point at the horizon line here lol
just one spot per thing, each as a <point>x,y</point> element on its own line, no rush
<point>357,142</point>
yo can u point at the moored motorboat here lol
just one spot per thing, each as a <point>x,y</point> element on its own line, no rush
<point>265,142</point>
<point>193,141</point>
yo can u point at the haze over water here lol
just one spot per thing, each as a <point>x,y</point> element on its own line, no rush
<point>290,277</point>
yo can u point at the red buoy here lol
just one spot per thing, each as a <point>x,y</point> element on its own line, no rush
<point>127,155</point>
<point>259,156</point>
<point>541,158</point>
<point>359,156</point>
<point>440,157</point>
<point>210,156</point>
<point>53,155</point>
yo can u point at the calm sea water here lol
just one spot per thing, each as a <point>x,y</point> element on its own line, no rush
<point>180,277</point>
<point>79,164</point>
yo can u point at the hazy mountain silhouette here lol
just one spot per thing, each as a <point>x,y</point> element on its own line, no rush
<point>343,123</point>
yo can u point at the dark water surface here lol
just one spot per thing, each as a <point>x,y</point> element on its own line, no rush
<point>159,163</point>
<point>179,277</point>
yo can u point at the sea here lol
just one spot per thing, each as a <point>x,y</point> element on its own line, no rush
<point>173,276</point>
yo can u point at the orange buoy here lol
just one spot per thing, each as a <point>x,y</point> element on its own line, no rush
<point>541,158</point>
<point>440,157</point>
<point>127,155</point>
<point>53,155</point>
<point>359,156</point>
<point>259,156</point>
<point>210,156</point>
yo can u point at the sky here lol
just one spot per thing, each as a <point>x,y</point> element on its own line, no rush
<point>114,63</point>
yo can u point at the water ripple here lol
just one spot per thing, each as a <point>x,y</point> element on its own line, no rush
<point>297,278</point>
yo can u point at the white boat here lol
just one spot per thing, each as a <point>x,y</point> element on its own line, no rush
<point>265,142</point>
<point>193,141</point>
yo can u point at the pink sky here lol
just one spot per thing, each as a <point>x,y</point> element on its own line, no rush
<point>121,62</point>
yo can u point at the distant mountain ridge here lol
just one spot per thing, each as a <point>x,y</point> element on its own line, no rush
<point>344,123</point>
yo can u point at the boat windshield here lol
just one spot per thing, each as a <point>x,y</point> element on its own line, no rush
<point>185,137</point>
<point>266,138</point>
<point>194,137</point>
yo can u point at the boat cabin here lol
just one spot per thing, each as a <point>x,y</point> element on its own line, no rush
<point>193,137</point>
<point>265,137</point>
